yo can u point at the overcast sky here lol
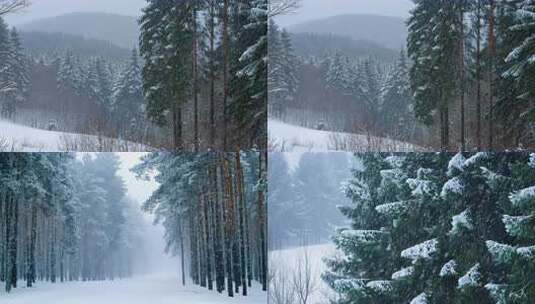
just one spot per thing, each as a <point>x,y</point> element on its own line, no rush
<point>49,8</point>
<point>137,189</point>
<point>317,9</point>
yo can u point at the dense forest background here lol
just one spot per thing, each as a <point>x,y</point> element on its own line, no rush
<point>66,218</point>
<point>194,86</point>
<point>463,79</point>
<point>213,208</point>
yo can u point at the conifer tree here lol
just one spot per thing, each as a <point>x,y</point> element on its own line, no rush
<point>128,106</point>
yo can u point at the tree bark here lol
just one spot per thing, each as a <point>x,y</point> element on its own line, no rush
<point>226,51</point>
<point>492,58</point>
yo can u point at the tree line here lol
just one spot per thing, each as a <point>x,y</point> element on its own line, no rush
<point>109,93</point>
<point>113,89</point>
<point>63,219</point>
<point>205,71</point>
<point>14,68</point>
<point>472,71</point>
<point>353,93</point>
<point>213,208</point>
<point>437,228</point>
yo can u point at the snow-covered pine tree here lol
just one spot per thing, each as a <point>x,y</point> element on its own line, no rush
<point>515,64</point>
<point>275,74</point>
<point>16,73</point>
<point>336,77</point>
<point>6,84</point>
<point>359,276</point>
<point>397,101</point>
<point>282,70</point>
<point>165,46</point>
<point>128,106</point>
<point>433,47</point>
<point>514,257</point>
<point>474,214</point>
<point>213,219</point>
<point>62,219</point>
<point>249,88</point>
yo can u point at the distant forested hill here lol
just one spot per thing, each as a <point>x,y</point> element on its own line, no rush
<point>390,32</point>
<point>118,29</point>
<point>321,45</point>
<point>41,43</point>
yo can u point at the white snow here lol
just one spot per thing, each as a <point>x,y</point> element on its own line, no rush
<point>363,236</point>
<point>492,178</point>
<point>461,221</point>
<point>471,278</point>
<point>513,224</point>
<point>526,252</point>
<point>419,186</point>
<point>393,209</point>
<point>420,299</point>
<point>285,137</point>
<point>532,160</point>
<point>421,251</point>
<point>520,197</point>
<point>380,286</point>
<point>457,162</point>
<point>475,159</point>
<point>403,273</point>
<point>499,252</point>
<point>19,138</point>
<point>157,289</point>
<point>497,292</point>
<point>448,269</point>
<point>452,186</point>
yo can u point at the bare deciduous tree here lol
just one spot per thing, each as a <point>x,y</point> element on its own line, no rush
<point>10,6</point>
<point>281,288</point>
<point>281,7</point>
<point>304,279</point>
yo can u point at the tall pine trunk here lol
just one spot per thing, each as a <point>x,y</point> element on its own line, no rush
<point>182,258</point>
<point>242,211</point>
<point>207,243</point>
<point>212,76</point>
<point>195,82</point>
<point>492,58</point>
<point>262,223</point>
<point>229,226</point>
<point>226,88</point>
<point>461,78</point>
<point>478,76</point>
<point>220,230</point>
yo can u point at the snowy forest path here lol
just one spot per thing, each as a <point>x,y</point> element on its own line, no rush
<point>154,289</point>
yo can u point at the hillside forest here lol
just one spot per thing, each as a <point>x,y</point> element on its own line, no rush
<point>181,76</point>
<point>462,81</point>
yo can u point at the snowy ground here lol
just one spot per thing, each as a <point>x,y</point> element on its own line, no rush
<point>285,137</point>
<point>160,289</point>
<point>19,138</point>
<point>285,261</point>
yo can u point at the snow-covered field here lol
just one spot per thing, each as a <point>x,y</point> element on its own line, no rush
<point>159,289</point>
<point>19,138</point>
<point>285,137</point>
<point>285,261</point>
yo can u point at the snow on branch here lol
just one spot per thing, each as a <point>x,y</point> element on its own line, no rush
<point>10,6</point>
<point>282,7</point>
<point>421,251</point>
